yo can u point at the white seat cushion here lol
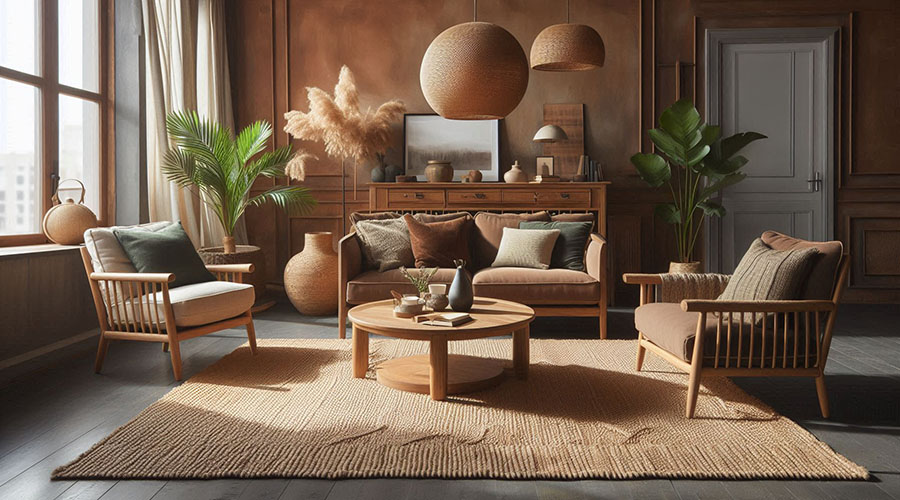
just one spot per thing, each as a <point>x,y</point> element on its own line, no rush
<point>200,303</point>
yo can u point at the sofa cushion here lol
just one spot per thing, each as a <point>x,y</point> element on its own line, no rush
<point>385,243</point>
<point>530,248</point>
<point>168,250</point>
<point>438,244</point>
<point>589,217</point>
<point>373,285</point>
<point>489,231</point>
<point>427,218</point>
<point>361,216</point>
<point>568,252</point>
<point>537,286</point>
<point>820,283</point>
<point>671,328</point>
<point>200,303</point>
<point>767,274</point>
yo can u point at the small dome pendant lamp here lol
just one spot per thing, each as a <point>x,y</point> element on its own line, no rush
<point>474,71</point>
<point>567,47</point>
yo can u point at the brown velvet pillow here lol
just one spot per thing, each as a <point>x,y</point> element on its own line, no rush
<point>489,232</point>
<point>428,218</point>
<point>438,244</point>
<point>820,282</point>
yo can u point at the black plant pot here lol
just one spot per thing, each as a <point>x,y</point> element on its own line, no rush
<point>461,295</point>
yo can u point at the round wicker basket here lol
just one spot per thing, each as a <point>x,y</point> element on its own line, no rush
<point>685,267</point>
<point>311,276</point>
<point>244,254</point>
<point>567,47</point>
<point>474,71</point>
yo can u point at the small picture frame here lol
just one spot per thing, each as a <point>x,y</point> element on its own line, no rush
<point>544,165</point>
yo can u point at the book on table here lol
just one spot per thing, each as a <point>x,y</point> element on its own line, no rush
<point>444,319</point>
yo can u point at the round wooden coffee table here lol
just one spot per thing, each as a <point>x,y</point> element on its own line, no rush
<point>438,373</point>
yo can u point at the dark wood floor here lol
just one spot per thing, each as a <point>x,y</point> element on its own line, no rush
<point>54,408</point>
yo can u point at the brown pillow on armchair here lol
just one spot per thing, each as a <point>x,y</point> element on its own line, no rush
<point>438,244</point>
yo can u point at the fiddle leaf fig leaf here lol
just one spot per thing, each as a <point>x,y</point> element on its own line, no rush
<point>652,168</point>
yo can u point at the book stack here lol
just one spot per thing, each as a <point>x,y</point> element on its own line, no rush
<point>444,319</point>
<point>590,169</point>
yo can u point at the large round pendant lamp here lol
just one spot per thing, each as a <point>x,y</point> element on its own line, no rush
<point>567,47</point>
<point>474,71</point>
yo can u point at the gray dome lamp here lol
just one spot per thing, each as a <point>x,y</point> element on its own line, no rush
<point>550,133</point>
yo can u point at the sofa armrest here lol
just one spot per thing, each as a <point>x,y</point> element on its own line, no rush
<point>595,261</point>
<point>349,263</point>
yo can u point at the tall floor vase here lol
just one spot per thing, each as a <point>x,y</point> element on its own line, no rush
<point>311,276</point>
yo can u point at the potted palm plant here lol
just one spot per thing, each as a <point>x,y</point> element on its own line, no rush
<point>696,163</point>
<point>224,168</point>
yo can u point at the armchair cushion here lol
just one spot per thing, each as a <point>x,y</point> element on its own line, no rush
<point>820,283</point>
<point>107,255</point>
<point>201,303</point>
<point>168,250</point>
<point>767,274</point>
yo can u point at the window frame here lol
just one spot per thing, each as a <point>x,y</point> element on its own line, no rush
<point>49,87</point>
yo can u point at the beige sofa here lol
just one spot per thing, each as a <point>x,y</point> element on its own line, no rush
<point>551,292</point>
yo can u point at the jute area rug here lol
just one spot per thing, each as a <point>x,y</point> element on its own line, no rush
<point>295,411</point>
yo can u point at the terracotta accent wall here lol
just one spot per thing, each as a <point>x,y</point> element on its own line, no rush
<point>279,47</point>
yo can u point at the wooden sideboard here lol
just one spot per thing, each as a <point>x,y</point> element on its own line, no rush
<point>556,197</point>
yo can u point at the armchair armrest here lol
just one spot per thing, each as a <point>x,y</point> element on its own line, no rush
<point>138,277</point>
<point>641,279</point>
<point>231,268</point>
<point>759,306</point>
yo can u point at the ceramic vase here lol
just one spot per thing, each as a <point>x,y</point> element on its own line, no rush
<point>461,294</point>
<point>377,173</point>
<point>515,174</point>
<point>311,276</point>
<point>439,171</point>
<point>391,172</point>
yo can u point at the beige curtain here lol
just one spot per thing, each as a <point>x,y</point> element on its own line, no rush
<point>187,68</point>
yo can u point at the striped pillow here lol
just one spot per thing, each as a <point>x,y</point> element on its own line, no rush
<point>766,274</point>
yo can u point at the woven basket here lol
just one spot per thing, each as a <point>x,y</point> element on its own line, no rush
<point>311,276</point>
<point>567,47</point>
<point>244,254</point>
<point>474,71</point>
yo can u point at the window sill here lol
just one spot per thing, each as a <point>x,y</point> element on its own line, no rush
<point>33,249</point>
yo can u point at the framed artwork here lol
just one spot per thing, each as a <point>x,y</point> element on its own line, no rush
<point>467,144</point>
<point>544,165</point>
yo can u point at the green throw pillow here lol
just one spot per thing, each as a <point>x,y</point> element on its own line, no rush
<point>568,252</point>
<point>168,250</point>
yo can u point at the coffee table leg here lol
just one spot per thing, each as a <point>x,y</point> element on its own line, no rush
<point>438,367</point>
<point>521,354</point>
<point>360,352</point>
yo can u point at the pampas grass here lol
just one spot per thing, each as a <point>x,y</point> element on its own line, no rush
<point>338,122</point>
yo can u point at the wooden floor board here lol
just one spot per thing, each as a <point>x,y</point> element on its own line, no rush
<point>57,410</point>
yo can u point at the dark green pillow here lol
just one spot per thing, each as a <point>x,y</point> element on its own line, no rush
<point>168,250</point>
<point>568,252</point>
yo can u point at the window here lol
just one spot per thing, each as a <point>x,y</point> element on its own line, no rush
<point>54,86</point>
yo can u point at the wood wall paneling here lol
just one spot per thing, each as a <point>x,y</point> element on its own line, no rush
<point>279,47</point>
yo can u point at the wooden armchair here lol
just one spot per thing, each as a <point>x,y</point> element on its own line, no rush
<point>141,306</point>
<point>784,338</point>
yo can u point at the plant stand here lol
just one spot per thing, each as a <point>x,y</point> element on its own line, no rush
<point>244,254</point>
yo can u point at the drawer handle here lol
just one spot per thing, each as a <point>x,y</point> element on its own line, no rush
<point>564,196</point>
<point>420,196</point>
<point>480,196</point>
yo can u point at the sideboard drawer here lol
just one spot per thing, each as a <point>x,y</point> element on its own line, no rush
<point>565,197</point>
<point>415,197</point>
<point>455,197</point>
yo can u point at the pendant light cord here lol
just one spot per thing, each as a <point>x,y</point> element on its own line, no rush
<point>475,10</point>
<point>567,12</point>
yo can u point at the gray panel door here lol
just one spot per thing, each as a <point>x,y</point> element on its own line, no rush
<point>777,82</point>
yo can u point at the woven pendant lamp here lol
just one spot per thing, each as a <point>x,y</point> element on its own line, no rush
<point>474,71</point>
<point>567,47</point>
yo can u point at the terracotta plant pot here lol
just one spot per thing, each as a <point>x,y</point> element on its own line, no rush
<point>311,276</point>
<point>685,267</point>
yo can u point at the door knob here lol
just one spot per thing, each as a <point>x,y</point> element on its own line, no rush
<point>816,182</point>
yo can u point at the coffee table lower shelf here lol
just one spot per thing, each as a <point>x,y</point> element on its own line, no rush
<point>464,373</point>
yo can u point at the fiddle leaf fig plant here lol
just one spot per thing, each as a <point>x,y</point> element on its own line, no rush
<point>696,163</point>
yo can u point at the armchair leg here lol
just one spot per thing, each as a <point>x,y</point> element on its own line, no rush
<point>165,346</point>
<point>175,352</point>
<point>693,389</point>
<point>823,395</point>
<point>342,320</point>
<point>641,351</point>
<point>251,334</point>
<point>101,353</point>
